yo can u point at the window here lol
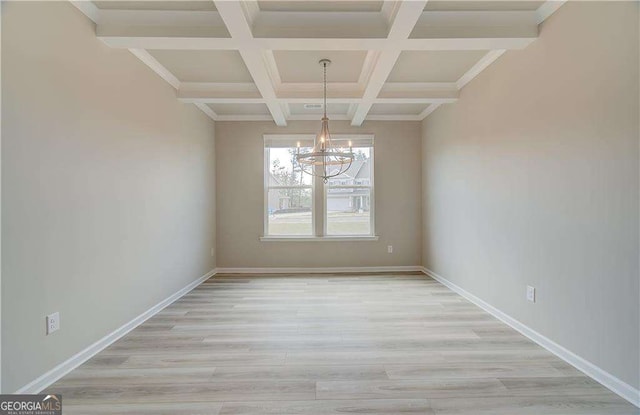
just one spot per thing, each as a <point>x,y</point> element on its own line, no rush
<point>342,207</point>
<point>289,193</point>
<point>348,197</point>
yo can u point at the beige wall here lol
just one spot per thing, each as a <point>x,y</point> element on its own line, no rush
<point>239,172</point>
<point>107,188</point>
<point>532,178</point>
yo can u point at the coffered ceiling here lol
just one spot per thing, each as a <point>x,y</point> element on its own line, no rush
<point>258,60</point>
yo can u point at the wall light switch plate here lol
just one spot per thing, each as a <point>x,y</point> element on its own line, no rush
<point>531,294</point>
<point>53,322</point>
<point>390,249</point>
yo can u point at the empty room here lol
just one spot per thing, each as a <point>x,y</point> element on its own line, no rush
<point>320,207</point>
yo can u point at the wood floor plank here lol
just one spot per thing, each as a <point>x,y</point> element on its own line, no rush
<point>148,376</point>
<point>413,389</point>
<point>324,407</point>
<point>219,358</point>
<point>545,386</point>
<point>550,405</point>
<point>302,372</point>
<point>476,370</point>
<point>212,391</point>
<point>329,344</point>
<point>164,408</point>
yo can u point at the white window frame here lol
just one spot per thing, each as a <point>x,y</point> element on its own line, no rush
<point>318,235</point>
<point>267,187</point>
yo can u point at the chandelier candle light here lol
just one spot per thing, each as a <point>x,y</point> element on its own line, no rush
<point>325,160</point>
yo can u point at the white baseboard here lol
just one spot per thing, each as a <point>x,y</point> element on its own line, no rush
<point>608,380</point>
<point>76,360</point>
<point>322,270</point>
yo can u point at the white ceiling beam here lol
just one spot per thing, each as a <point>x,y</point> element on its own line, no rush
<point>142,37</point>
<point>439,41</point>
<point>254,61</point>
<point>251,10</point>
<point>547,9</point>
<point>207,110</point>
<point>286,101</point>
<point>281,101</point>
<point>424,114</point>
<point>88,8</point>
<point>367,68</point>
<point>404,20</point>
<point>475,70</point>
<point>316,117</point>
<point>156,67</point>
<point>352,110</point>
<point>210,92</point>
<point>287,110</point>
<point>389,10</point>
<point>272,68</point>
<point>240,28</point>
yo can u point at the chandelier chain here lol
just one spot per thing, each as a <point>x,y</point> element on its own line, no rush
<point>324,65</point>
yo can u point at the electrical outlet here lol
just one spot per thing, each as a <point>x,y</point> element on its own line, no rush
<point>531,294</point>
<point>53,322</point>
<point>390,249</point>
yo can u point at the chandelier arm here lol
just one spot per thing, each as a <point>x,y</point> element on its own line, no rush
<point>305,170</point>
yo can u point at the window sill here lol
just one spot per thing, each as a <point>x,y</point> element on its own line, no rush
<point>317,238</point>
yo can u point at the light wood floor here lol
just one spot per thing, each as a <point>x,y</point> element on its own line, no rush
<point>365,344</point>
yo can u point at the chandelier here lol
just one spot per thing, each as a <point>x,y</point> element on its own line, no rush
<point>324,160</point>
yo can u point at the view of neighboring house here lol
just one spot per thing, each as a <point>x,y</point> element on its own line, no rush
<point>352,199</point>
<point>342,199</point>
<point>277,200</point>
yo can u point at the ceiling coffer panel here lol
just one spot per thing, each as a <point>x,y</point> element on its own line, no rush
<point>434,66</point>
<point>186,5</point>
<point>204,65</point>
<point>493,6</point>
<point>320,6</point>
<point>302,66</point>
